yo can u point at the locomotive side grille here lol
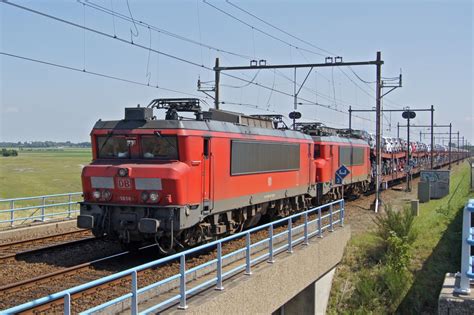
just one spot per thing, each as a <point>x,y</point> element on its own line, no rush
<point>357,158</point>
<point>251,157</point>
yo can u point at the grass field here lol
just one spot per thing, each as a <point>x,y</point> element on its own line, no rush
<point>435,252</point>
<point>40,172</point>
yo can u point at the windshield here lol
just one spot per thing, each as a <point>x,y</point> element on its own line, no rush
<point>112,147</point>
<point>159,147</point>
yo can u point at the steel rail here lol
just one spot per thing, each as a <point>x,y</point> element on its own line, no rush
<point>45,248</point>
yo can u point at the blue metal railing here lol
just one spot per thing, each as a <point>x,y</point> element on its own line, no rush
<point>466,273</point>
<point>41,209</point>
<point>334,216</point>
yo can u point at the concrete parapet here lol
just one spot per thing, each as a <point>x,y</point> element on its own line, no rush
<point>272,285</point>
<point>453,303</point>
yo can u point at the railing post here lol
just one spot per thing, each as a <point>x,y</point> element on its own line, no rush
<point>67,304</point>
<point>320,227</point>
<point>270,244</point>
<point>42,209</point>
<point>134,306</point>
<point>219,267</point>
<point>69,206</point>
<point>248,270</point>
<point>464,283</point>
<point>290,241</point>
<point>305,229</point>
<point>12,212</point>
<point>341,213</point>
<point>182,283</point>
<point>331,227</point>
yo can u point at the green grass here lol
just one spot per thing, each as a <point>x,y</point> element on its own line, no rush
<point>41,172</point>
<point>435,252</point>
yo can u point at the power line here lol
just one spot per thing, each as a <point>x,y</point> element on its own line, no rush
<point>156,51</point>
<point>99,74</point>
<point>276,38</point>
<point>287,33</point>
<point>148,49</point>
<point>144,24</point>
<point>160,30</point>
<point>325,96</point>
<point>357,85</point>
<point>358,77</point>
<point>261,31</point>
<point>279,29</point>
<point>104,34</point>
<point>255,106</point>
<point>245,85</point>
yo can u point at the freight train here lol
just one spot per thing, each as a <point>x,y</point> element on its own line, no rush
<point>181,181</point>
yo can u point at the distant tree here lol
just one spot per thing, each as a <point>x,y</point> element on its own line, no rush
<point>9,152</point>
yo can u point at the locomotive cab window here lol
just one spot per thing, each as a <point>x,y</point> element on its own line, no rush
<point>159,147</point>
<point>109,147</point>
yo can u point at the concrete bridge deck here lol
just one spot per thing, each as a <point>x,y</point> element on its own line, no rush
<point>296,283</point>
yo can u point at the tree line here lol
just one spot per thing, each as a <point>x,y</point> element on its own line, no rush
<point>44,144</point>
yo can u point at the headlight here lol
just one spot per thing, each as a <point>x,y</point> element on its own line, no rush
<point>106,195</point>
<point>154,196</point>
<point>122,172</point>
<point>96,194</point>
<point>145,196</point>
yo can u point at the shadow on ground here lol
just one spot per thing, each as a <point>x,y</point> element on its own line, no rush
<point>422,297</point>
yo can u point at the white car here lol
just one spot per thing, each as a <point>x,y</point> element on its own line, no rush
<point>386,145</point>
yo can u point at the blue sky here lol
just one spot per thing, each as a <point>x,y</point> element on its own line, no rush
<point>431,41</point>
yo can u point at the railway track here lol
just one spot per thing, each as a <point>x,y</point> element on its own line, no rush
<point>26,284</point>
<point>81,274</point>
<point>99,294</point>
<point>30,246</point>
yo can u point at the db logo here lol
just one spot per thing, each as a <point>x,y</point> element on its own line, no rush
<point>124,183</point>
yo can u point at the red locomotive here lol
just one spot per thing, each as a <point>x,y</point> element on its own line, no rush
<point>333,148</point>
<point>178,181</point>
<point>184,181</point>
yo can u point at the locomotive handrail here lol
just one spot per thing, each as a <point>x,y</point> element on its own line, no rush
<point>45,204</point>
<point>218,279</point>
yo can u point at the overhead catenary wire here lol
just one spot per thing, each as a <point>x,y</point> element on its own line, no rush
<point>255,106</point>
<point>310,44</point>
<point>278,28</point>
<point>162,31</point>
<point>252,80</point>
<point>260,30</point>
<point>154,50</point>
<point>279,39</point>
<point>132,34</point>
<point>358,77</point>
<point>99,74</point>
